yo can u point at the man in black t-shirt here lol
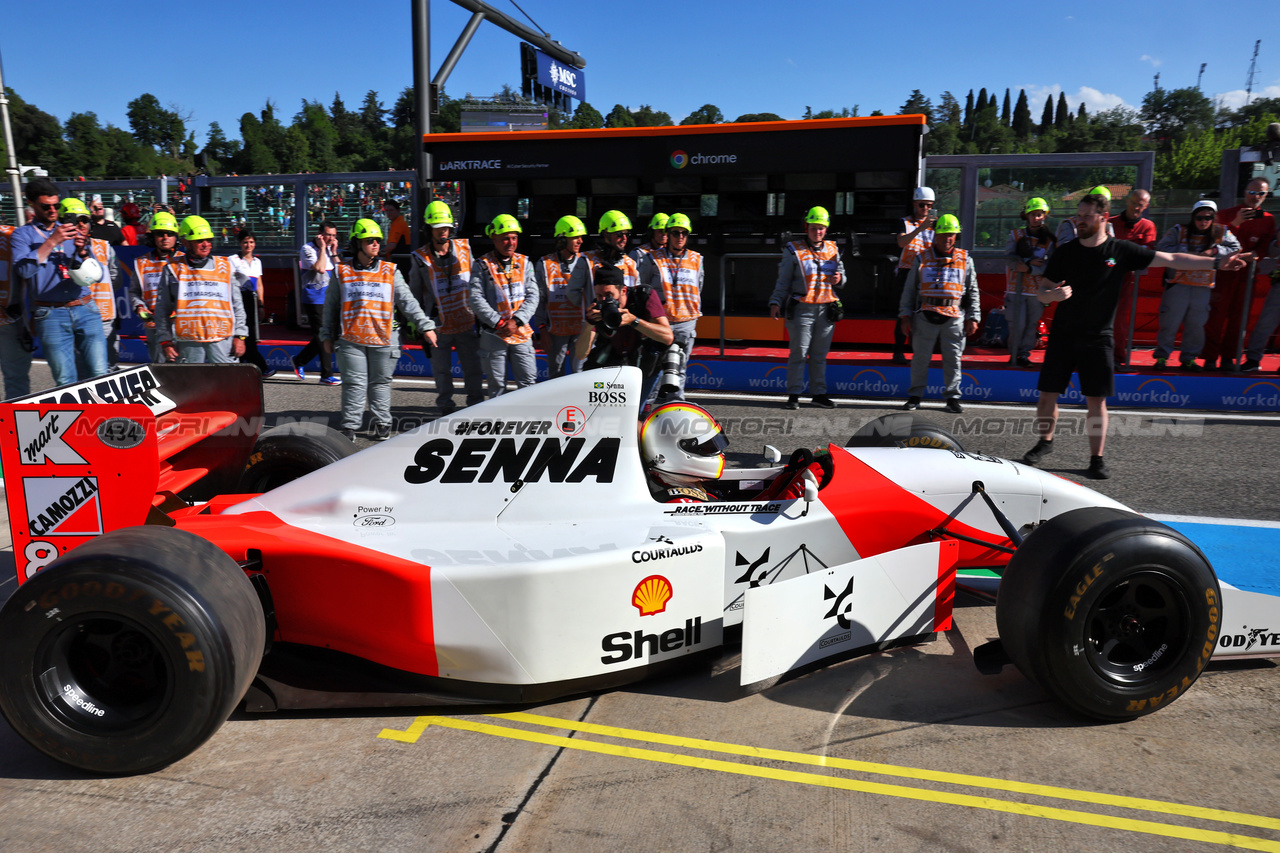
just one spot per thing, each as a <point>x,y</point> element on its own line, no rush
<point>1089,273</point>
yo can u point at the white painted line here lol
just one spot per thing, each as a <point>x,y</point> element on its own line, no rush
<point>1195,519</point>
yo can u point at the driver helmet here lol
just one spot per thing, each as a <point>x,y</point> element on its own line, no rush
<point>682,444</point>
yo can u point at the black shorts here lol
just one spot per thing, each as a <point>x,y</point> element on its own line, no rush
<point>1092,357</point>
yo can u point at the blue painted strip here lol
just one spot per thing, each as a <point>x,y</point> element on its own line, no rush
<point>1243,555</point>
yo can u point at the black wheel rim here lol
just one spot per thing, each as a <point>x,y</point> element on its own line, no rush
<point>1137,631</point>
<point>103,673</point>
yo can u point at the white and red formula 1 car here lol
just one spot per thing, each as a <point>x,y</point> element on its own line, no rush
<point>512,552</point>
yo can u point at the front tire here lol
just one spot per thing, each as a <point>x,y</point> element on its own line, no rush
<point>906,429</point>
<point>285,453</point>
<point>1112,613</point>
<point>129,652</point>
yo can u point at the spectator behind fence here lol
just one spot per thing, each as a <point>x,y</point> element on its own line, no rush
<point>1256,230</point>
<point>1129,224</point>
<point>47,258</point>
<point>1026,254</point>
<point>317,260</point>
<point>914,236</point>
<point>199,315</point>
<point>940,303</point>
<point>133,227</point>
<point>1185,301</point>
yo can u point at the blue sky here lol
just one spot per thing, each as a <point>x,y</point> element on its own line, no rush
<point>745,56</point>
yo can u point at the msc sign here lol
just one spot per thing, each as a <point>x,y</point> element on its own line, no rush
<point>561,78</point>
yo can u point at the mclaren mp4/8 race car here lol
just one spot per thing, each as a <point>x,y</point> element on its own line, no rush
<point>514,552</point>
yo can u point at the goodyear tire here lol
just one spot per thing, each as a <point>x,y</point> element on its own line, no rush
<point>290,451</point>
<point>905,428</point>
<point>129,652</point>
<point>1112,613</point>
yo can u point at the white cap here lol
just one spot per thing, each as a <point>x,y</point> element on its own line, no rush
<point>1204,202</point>
<point>923,194</point>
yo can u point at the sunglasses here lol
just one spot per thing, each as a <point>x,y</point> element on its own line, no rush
<point>1208,218</point>
<point>1257,192</point>
<point>925,203</point>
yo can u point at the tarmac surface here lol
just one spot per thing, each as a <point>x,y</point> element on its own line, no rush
<point>907,750</point>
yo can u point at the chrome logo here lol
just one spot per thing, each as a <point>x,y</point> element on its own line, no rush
<point>679,159</point>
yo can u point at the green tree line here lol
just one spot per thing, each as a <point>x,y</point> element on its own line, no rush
<point>1181,125</point>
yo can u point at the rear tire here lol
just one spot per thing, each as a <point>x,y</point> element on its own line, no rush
<point>1112,613</point>
<point>907,429</point>
<point>129,652</point>
<point>289,451</point>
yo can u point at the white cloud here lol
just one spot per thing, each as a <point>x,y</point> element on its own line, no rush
<point>1155,63</point>
<point>1094,101</point>
<point>1235,99</point>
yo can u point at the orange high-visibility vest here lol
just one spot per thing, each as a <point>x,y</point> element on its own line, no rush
<point>564,317</point>
<point>630,272</point>
<point>942,281</point>
<point>680,284</point>
<point>918,244</point>
<point>147,270</point>
<point>204,313</point>
<point>1025,282</point>
<point>1193,243</point>
<point>451,286</point>
<point>367,298</point>
<point>509,287</point>
<point>819,269</point>
<point>6,271</point>
<point>104,296</point>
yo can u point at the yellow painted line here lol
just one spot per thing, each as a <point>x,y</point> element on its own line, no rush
<point>988,803</point>
<point>903,772</point>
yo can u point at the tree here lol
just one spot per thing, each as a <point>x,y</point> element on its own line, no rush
<point>155,126</point>
<point>949,109</point>
<point>1046,118</point>
<point>647,116</point>
<point>1171,114</point>
<point>321,136</point>
<point>372,114</point>
<point>968,109</point>
<point>1195,161</point>
<point>586,117</point>
<point>87,145</point>
<point>918,104</point>
<point>297,151</point>
<point>218,148</point>
<point>705,114</point>
<point>619,116</point>
<point>1021,124</point>
<point>748,117</point>
<point>1006,113</point>
<point>1062,116</point>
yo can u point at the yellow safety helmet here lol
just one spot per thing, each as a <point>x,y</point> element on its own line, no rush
<point>503,223</point>
<point>1036,204</point>
<point>438,215</point>
<point>614,221</point>
<point>817,216</point>
<point>195,228</point>
<point>947,224</point>
<point>1100,190</point>
<point>72,207</point>
<point>570,226</point>
<point>366,229</point>
<point>163,220</point>
<point>679,220</point>
<point>659,222</point>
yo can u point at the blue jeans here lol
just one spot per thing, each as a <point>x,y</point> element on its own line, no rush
<point>67,332</point>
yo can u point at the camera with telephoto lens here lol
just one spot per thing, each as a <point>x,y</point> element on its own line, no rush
<point>672,370</point>
<point>610,313</point>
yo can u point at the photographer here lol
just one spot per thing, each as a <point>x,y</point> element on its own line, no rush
<point>625,326</point>
<point>63,314</point>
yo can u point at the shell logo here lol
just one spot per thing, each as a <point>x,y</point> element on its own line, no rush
<point>651,595</point>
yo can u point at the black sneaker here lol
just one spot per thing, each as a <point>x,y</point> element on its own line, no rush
<point>912,403</point>
<point>381,432</point>
<point>1098,469</point>
<point>1193,366</point>
<point>1249,365</point>
<point>793,402</point>
<point>1042,449</point>
<point>822,401</point>
<point>1024,361</point>
<point>349,434</point>
<point>953,406</point>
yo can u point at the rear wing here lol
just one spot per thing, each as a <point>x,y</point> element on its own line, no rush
<point>83,459</point>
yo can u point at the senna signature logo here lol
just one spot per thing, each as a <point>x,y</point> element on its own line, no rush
<point>485,460</point>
